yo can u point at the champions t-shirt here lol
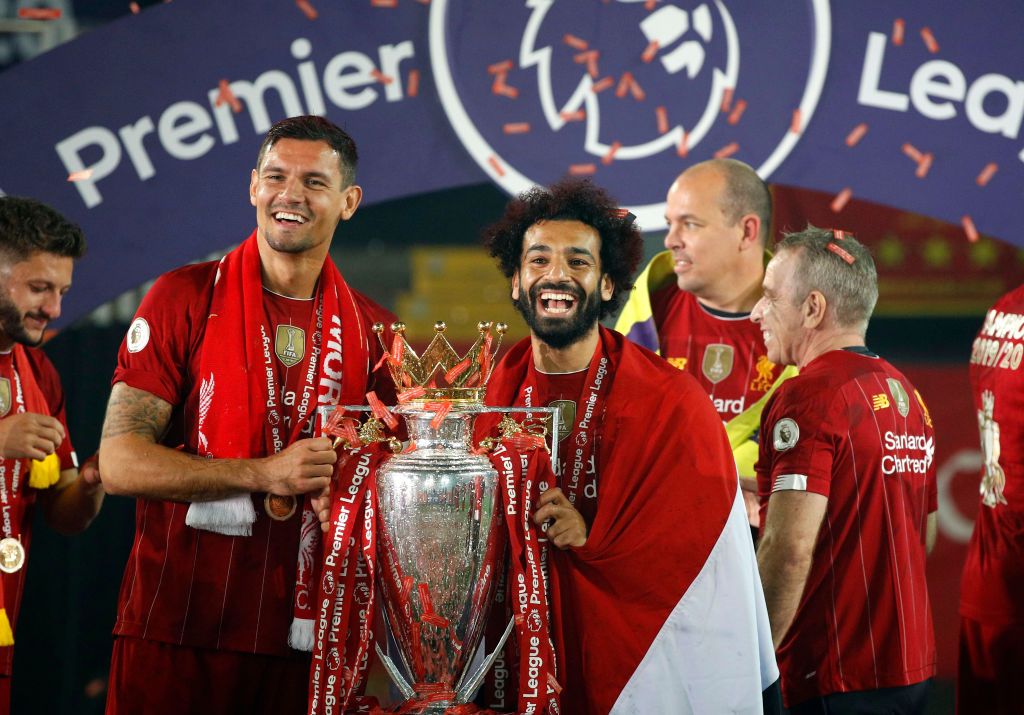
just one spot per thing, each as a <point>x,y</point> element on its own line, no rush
<point>188,586</point>
<point>724,351</point>
<point>992,589</point>
<point>49,384</point>
<point>852,428</point>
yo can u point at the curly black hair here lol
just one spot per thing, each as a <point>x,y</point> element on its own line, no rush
<point>572,199</point>
<point>27,226</point>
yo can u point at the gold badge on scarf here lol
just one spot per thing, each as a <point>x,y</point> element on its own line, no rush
<point>290,344</point>
<point>279,508</point>
<point>566,414</point>
<point>5,396</point>
<point>717,363</point>
<point>12,555</point>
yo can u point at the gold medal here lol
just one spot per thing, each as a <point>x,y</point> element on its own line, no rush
<point>278,508</point>
<point>12,555</point>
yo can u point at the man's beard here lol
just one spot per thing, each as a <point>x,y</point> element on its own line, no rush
<point>560,333</point>
<point>12,323</point>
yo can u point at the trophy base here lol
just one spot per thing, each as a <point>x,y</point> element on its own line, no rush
<point>418,707</point>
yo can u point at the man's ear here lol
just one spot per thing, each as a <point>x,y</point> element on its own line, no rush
<point>607,287</point>
<point>515,286</point>
<point>751,237</point>
<point>814,308</point>
<point>252,187</point>
<point>353,196</point>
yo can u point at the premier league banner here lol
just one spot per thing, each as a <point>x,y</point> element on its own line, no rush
<point>145,131</point>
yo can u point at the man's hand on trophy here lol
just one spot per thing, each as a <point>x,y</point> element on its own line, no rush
<point>567,528</point>
<point>300,468</point>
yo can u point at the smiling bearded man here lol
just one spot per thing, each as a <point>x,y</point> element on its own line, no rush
<point>656,601</point>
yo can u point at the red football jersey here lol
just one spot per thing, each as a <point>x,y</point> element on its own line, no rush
<point>993,580</point>
<point>724,351</point>
<point>49,383</point>
<point>184,585</point>
<point>852,428</point>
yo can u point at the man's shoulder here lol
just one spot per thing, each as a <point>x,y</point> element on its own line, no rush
<point>194,278</point>
<point>643,367</point>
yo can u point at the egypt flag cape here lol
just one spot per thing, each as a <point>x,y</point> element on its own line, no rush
<point>636,322</point>
<point>661,611</point>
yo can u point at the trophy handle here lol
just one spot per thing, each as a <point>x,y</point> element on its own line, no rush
<point>396,676</point>
<point>465,690</point>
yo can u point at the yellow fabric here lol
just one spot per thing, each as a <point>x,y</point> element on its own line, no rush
<point>44,473</point>
<point>638,308</point>
<point>6,634</point>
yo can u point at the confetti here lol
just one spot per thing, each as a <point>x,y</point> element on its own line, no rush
<point>500,67</point>
<point>39,13</point>
<point>226,95</point>
<point>516,128</point>
<point>134,7</point>
<point>83,175</point>
<point>307,9</point>
<point>637,91</point>
<point>612,150</point>
<point>384,3</point>
<point>726,99</point>
<point>796,124</point>
<point>575,42</point>
<point>737,112</point>
<point>924,165</point>
<point>929,40</point>
<point>897,31</point>
<point>856,134</point>
<point>839,234</point>
<point>683,148</point>
<point>650,5</point>
<point>969,228</point>
<point>499,87</point>
<point>727,150</point>
<point>624,84</point>
<point>381,77</point>
<point>841,252</point>
<point>841,199</point>
<point>602,85</point>
<point>913,152</point>
<point>582,169</point>
<point>987,173</point>
<point>589,57</point>
<point>496,165</point>
<point>412,87</point>
<point>662,115</point>
<point>650,51</point>
<point>578,116</point>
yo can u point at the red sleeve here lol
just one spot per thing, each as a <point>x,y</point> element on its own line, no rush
<point>799,439</point>
<point>49,383</point>
<point>154,355</point>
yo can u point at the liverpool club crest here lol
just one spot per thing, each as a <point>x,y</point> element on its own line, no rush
<point>290,344</point>
<point>717,363</point>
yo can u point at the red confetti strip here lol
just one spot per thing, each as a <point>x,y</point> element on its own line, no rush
<point>684,145</point>
<point>575,42</point>
<point>441,413</point>
<point>582,169</point>
<point>637,91</point>
<point>384,3</point>
<point>624,84</point>
<point>425,600</point>
<point>727,150</point>
<point>839,234</point>
<point>929,40</point>
<point>726,99</point>
<point>969,228</point>
<point>496,165</point>
<point>226,95</point>
<point>612,150</point>
<point>662,114</point>
<point>134,7</point>
<point>452,375</point>
<point>856,134</point>
<point>578,116</point>
<point>432,619</point>
<point>381,77</point>
<point>412,87</point>
<point>381,412</point>
<point>796,124</point>
<point>924,165</point>
<point>39,13</point>
<point>307,9</point>
<point>650,5</point>
<point>516,128</point>
<point>499,87</point>
<point>737,112</point>
<point>898,27</point>
<point>842,253</point>
<point>500,67</point>
<point>554,684</point>
<point>407,583</point>
<point>590,59</point>
<point>841,199</point>
<point>83,175</point>
<point>602,85</point>
<point>650,52</point>
<point>413,393</point>
<point>913,152</point>
<point>987,173</point>
<point>397,351</point>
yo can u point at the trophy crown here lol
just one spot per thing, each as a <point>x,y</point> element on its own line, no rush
<point>440,370</point>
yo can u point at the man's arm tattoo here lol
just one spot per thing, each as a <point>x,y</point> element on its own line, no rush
<point>134,411</point>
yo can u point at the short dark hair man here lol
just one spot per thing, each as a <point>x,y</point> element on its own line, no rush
<point>655,599</point>
<point>693,301</point>
<point>231,359</point>
<point>846,479</point>
<point>38,250</point>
